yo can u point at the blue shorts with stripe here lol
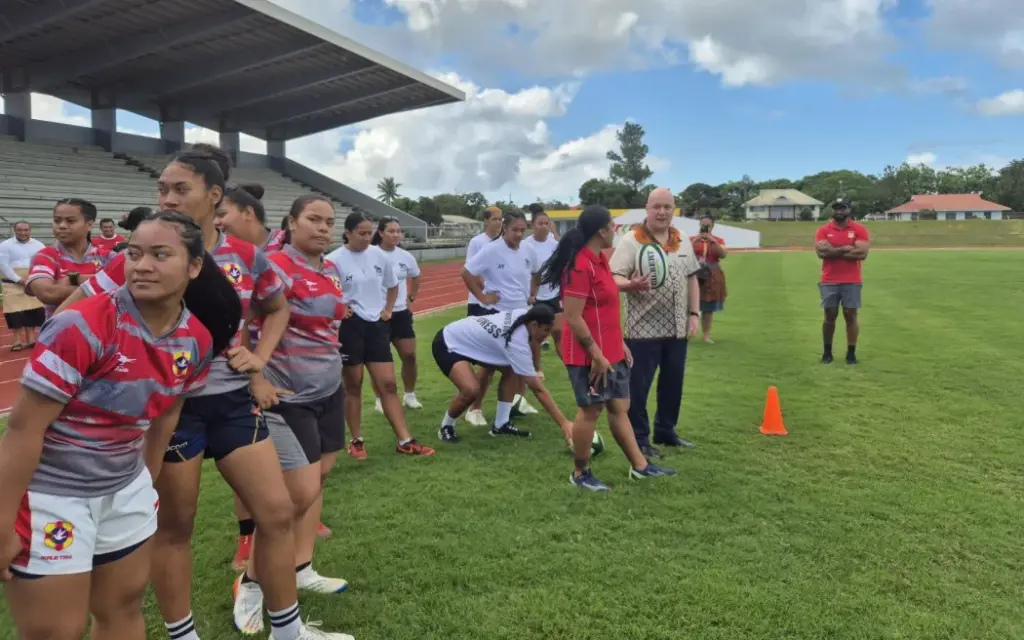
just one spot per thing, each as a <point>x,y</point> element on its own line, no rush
<point>216,426</point>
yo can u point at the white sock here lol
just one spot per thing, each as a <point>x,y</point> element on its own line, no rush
<point>286,624</point>
<point>447,421</point>
<point>503,415</point>
<point>405,442</point>
<point>184,629</point>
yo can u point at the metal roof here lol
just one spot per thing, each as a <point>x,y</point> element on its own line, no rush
<point>228,65</point>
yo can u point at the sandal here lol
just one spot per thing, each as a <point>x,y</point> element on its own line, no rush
<point>16,347</point>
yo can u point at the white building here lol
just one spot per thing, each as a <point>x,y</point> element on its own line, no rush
<point>781,204</point>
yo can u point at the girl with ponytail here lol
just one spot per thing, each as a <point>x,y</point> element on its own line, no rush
<point>242,215</point>
<point>508,342</point>
<point>595,355</point>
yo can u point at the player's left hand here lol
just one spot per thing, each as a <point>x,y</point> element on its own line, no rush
<point>244,361</point>
<point>693,327</point>
<point>629,356</point>
<point>385,315</point>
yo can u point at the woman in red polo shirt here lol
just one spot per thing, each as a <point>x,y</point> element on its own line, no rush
<point>593,350</point>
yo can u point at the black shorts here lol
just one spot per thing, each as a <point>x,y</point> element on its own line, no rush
<point>475,310</point>
<point>363,341</point>
<point>401,325</point>
<point>23,319</point>
<point>303,433</point>
<point>617,387</point>
<point>554,303</point>
<point>217,426</point>
<point>445,358</point>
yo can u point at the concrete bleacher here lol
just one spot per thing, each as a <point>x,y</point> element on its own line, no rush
<point>34,176</point>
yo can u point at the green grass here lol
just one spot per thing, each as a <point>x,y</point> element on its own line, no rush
<point>933,233</point>
<point>892,510</point>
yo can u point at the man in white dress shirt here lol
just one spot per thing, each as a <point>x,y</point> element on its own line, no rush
<point>24,314</point>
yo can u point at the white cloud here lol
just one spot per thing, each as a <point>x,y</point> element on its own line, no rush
<point>1010,103</point>
<point>926,158</point>
<point>993,27</point>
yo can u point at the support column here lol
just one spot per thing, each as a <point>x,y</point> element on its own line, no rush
<point>172,132</point>
<point>275,148</point>
<point>230,142</point>
<point>18,107</point>
<point>104,120</point>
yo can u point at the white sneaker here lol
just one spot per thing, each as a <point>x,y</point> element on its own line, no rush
<point>378,407</point>
<point>476,418</point>
<point>524,406</point>
<point>248,610</point>
<point>310,580</point>
<point>411,401</point>
<point>311,631</point>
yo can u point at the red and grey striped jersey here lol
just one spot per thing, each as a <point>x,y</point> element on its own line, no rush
<point>56,262</point>
<point>114,377</point>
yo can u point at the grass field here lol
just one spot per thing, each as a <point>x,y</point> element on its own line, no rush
<point>926,233</point>
<point>892,510</point>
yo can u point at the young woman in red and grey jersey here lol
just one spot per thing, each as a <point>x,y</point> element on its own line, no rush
<point>57,271</point>
<point>301,389</point>
<point>224,422</point>
<point>98,404</point>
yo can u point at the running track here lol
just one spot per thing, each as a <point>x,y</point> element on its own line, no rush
<point>440,288</point>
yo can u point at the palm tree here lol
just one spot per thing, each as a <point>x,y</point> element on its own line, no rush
<point>388,190</point>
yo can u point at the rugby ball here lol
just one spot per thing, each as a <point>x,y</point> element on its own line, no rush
<point>651,260</point>
<point>597,444</point>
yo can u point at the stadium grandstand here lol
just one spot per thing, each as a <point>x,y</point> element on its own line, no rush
<point>234,66</point>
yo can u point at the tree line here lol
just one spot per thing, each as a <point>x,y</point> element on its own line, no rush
<point>627,187</point>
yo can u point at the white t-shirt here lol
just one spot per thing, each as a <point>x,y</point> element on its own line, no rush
<point>365,278</point>
<point>405,267</point>
<point>17,255</point>
<point>543,251</point>
<point>482,339</point>
<point>475,245</point>
<point>506,271</point>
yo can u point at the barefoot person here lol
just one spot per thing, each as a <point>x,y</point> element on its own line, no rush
<point>842,245</point>
<point>596,358</point>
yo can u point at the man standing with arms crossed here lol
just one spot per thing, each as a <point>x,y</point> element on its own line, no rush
<point>842,245</point>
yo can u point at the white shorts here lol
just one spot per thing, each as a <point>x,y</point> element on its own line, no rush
<point>61,535</point>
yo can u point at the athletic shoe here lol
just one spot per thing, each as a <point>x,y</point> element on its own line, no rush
<point>652,471</point>
<point>311,631</point>
<point>310,580</point>
<point>357,449</point>
<point>242,554</point>
<point>447,434</point>
<point>826,358</point>
<point>411,401</point>
<point>526,407</point>
<point>323,531</point>
<point>545,346</point>
<point>476,418</point>
<point>586,480</point>
<point>413,448</point>
<point>649,451</point>
<point>378,407</point>
<point>509,429</point>
<point>852,360</point>
<point>248,609</point>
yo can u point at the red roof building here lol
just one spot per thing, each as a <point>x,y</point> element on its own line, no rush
<point>950,206</point>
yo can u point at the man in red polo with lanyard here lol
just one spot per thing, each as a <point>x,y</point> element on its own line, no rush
<point>842,245</point>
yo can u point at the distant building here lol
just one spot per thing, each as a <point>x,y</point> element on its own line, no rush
<point>951,206</point>
<point>781,204</point>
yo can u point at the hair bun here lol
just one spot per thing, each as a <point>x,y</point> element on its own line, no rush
<point>215,154</point>
<point>254,189</point>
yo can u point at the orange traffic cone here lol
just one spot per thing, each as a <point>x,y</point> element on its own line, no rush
<point>772,425</point>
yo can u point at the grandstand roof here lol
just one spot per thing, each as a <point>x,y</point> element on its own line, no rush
<point>228,65</point>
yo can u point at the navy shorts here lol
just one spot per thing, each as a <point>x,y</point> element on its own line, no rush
<point>216,426</point>
<point>554,303</point>
<point>475,310</point>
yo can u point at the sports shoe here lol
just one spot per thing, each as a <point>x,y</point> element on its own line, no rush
<point>476,418</point>
<point>826,358</point>
<point>311,631</point>
<point>652,471</point>
<point>411,401</point>
<point>357,449</point>
<point>242,554</point>
<point>247,612</point>
<point>310,580</point>
<point>586,480</point>
<point>413,448</point>
<point>378,407</point>
<point>447,434</point>
<point>509,429</point>
<point>323,531</point>
<point>526,407</point>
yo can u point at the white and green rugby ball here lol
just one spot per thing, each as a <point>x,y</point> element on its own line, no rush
<point>597,444</point>
<point>651,260</point>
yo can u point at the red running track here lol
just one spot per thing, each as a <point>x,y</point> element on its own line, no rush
<point>441,287</point>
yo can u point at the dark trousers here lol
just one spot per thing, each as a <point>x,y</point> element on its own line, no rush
<point>648,356</point>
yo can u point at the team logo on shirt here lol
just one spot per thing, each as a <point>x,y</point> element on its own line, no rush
<point>337,282</point>
<point>850,235</point>
<point>234,272</point>
<point>378,270</point>
<point>182,360</point>
<point>96,263</point>
<point>59,535</point>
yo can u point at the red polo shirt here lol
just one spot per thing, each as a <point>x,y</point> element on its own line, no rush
<point>841,270</point>
<point>590,278</point>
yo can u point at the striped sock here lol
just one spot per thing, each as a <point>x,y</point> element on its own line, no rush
<point>184,629</point>
<point>286,624</point>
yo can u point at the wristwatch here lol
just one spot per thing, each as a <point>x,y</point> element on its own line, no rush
<point>411,298</point>
<point>694,314</point>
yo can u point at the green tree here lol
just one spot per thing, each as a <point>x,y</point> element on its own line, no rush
<point>1009,189</point>
<point>629,166</point>
<point>699,198</point>
<point>387,190</point>
<point>407,205</point>
<point>450,204</point>
<point>613,195</point>
<point>475,204</point>
<point>428,211</point>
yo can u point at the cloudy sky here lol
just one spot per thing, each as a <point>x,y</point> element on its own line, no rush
<point>771,88</point>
